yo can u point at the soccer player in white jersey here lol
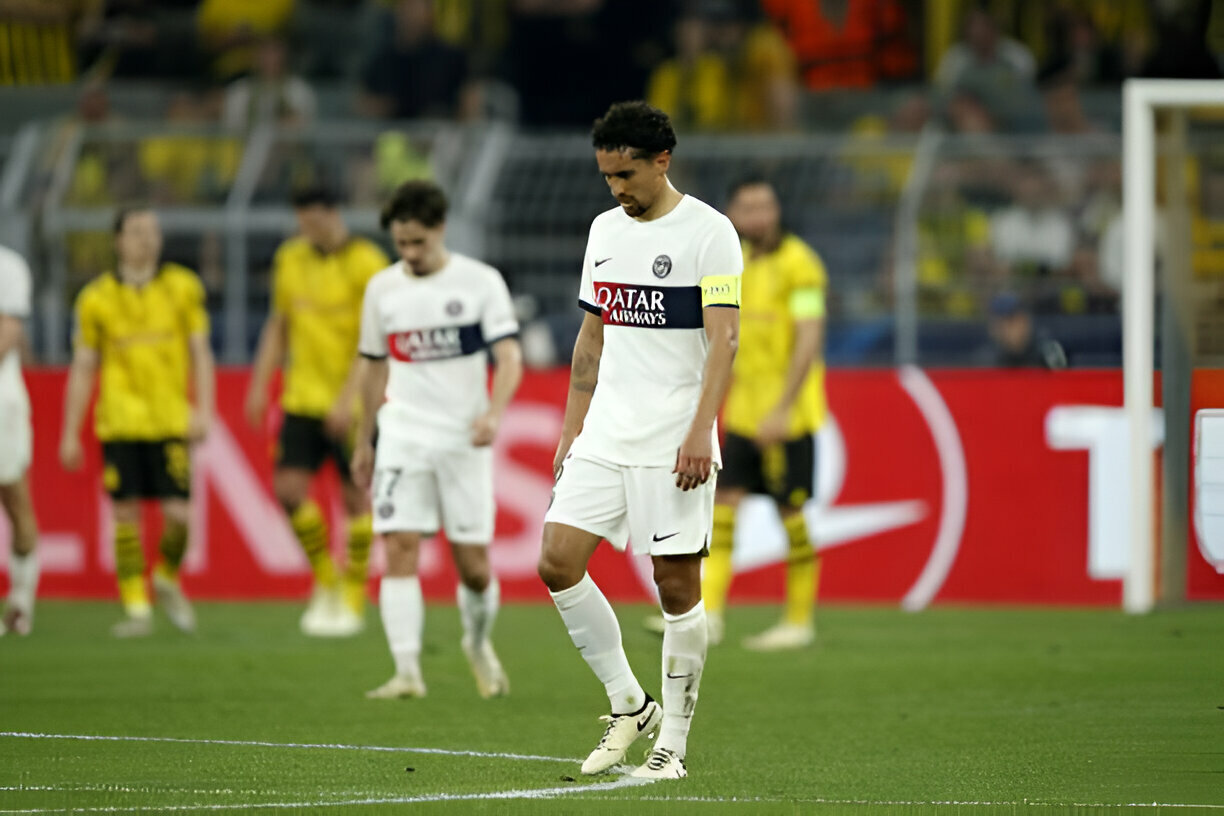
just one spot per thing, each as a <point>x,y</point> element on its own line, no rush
<point>638,454</point>
<point>427,323</point>
<point>16,442</point>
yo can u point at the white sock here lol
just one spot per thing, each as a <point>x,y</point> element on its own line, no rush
<point>23,580</point>
<point>478,610</point>
<point>403,617</point>
<point>684,654</point>
<point>596,632</point>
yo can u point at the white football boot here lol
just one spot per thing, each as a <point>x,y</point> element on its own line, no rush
<point>397,688</point>
<point>174,603</point>
<point>782,637</point>
<point>623,730</point>
<point>491,680</point>
<point>661,764</point>
<point>133,626</point>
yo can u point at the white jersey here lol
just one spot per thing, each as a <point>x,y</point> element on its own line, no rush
<point>435,330</point>
<point>14,302</point>
<point>649,282</point>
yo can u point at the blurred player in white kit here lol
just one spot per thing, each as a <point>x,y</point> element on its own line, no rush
<point>16,445</point>
<point>638,454</point>
<point>428,325</point>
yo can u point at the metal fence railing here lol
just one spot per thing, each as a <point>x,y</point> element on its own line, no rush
<point>919,234</point>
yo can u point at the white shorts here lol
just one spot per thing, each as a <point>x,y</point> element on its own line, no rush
<point>16,440</point>
<point>414,485</point>
<point>641,504</point>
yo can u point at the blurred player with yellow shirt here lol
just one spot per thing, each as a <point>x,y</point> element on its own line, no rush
<point>143,331</point>
<point>318,280</point>
<point>773,410</point>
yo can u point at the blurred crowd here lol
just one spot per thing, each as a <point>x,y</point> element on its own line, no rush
<point>986,71</point>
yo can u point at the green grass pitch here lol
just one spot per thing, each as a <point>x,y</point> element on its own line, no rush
<point>954,710</point>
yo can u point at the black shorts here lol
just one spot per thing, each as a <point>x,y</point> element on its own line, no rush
<point>157,469</point>
<point>304,443</point>
<point>786,472</point>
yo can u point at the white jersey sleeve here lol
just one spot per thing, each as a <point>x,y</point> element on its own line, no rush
<point>14,284</point>
<point>497,321</point>
<point>373,340</point>
<point>721,255</point>
<point>586,289</point>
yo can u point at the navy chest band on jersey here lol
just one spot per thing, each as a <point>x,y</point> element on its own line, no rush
<point>647,307</point>
<point>442,343</point>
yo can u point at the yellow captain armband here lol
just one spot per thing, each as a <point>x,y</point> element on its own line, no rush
<point>720,290</point>
<point>807,304</point>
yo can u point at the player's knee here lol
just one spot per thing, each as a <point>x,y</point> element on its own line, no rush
<point>556,573</point>
<point>678,591</point>
<point>126,512</point>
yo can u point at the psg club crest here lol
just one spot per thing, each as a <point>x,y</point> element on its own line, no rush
<point>661,267</point>
<point>455,307</point>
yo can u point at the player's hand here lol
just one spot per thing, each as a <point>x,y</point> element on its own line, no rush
<point>256,408</point>
<point>339,421</point>
<point>694,460</point>
<point>361,468</point>
<point>563,447</point>
<point>198,427</point>
<point>774,428</point>
<point>484,429</point>
<point>70,453</point>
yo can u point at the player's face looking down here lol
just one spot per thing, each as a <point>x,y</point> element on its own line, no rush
<point>636,183</point>
<point>138,244</point>
<point>756,214</point>
<point>420,247</point>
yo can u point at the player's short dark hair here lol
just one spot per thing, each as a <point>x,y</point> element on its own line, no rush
<point>748,180</point>
<point>417,200</point>
<point>636,126</point>
<point>316,195</point>
<point>127,210</point>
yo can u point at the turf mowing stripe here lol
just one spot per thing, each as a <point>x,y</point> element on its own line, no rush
<point>528,793</point>
<point>334,746</point>
<point>730,800</point>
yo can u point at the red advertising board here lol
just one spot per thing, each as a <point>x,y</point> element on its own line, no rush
<point>941,486</point>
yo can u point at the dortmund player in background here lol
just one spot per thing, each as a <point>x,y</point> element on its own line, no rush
<point>773,410</point>
<point>143,331</point>
<point>318,280</point>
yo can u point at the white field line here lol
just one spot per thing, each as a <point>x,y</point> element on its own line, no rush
<point>333,746</point>
<point>527,793</point>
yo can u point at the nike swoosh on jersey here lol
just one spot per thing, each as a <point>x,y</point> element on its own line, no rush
<point>657,537</point>
<point>604,261</point>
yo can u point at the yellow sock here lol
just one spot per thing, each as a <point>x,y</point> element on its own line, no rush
<point>129,569</point>
<point>311,531</point>
<point>716,580</point>
<point>356,567</point>
<point>173,546</point>
<point>802,571</point>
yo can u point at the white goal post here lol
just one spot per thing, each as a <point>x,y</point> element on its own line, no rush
<point>1140,99</point>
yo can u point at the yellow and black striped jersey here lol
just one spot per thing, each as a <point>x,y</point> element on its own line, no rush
<point>141,335</point>
<point>778,288</point>
<point>319,295</point>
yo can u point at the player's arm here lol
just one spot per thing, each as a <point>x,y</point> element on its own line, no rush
<point>507,374</point>
<point>11,330</point>
<point>809,343</point>
<point>76,401</point>
<point>203,369</point>
<point>695,458</point>
<point>269,357</point>
<point>370,379</point>
<point>584,374</point>
<point>370,372</point>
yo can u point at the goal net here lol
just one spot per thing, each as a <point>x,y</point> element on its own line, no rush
<point>1173,323</point>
